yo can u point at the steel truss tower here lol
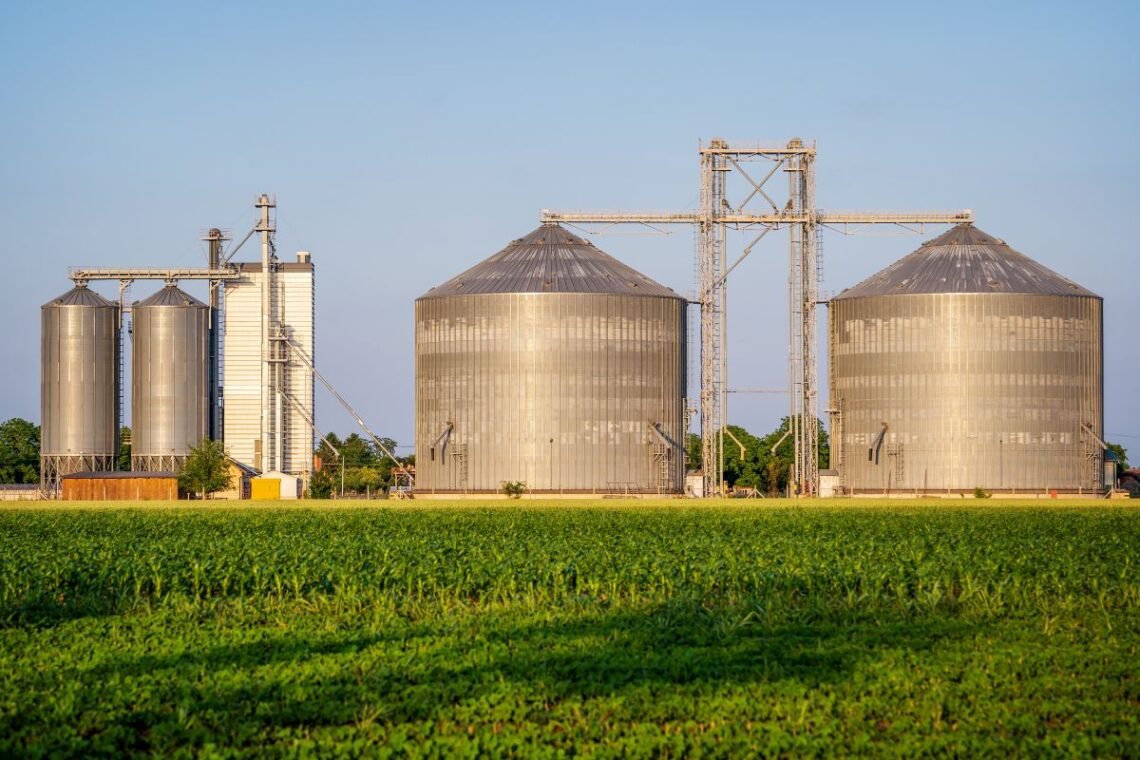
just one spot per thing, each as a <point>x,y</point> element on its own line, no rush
<point>760,213</point>
<point>272,404</point>
<point>215,238</point>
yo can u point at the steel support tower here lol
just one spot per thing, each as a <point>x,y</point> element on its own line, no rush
<point>271,401</point>
<point>214,238</point>
<point>760,213</point>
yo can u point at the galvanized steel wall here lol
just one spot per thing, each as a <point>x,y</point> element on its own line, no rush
<point>169,375</point>
<point>555,389</point>
<point>79,385</point>
<point>293,303</point>
<point>977,390</point>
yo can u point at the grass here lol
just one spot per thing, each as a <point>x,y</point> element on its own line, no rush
<point>544,628</point>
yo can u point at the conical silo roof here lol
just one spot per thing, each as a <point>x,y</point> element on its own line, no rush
<point>171,295</point>
<point>80,295</point>
<point>550,260</point>
<point>965,260</point>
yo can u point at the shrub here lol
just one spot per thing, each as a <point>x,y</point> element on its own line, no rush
<point>514,488</point>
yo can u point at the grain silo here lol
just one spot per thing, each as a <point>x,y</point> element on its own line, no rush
<point>79,385</point>
<point>553,364</point>
<point>966,365</point>
<point>169,370</point>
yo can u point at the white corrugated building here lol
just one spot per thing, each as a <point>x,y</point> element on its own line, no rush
<point>291,307</point>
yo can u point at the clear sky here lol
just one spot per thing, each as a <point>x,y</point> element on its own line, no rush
<point>407,141</point>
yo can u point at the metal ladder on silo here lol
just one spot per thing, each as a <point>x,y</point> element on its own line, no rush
<point>895,452</point>
<point>124,287</point>
<point>460,453</point>
<point>661,456</point>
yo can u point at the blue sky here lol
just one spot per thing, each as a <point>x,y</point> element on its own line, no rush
<point>405,142</point>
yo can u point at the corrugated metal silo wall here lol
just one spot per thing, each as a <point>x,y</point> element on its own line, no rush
<point>298,315</point>
<point>976,389</point>
<point>169,372</point>
<point>242,369</point>
<point>555,389</point>
<point>79,386</point>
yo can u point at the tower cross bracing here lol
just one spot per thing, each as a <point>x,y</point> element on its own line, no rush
<point>762,209</point>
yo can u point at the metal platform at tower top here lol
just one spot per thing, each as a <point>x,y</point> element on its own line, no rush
<point>761,213</point>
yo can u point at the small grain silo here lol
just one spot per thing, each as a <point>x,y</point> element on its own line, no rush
<point>79,386</point>
<point>553,364</point>
<point>966,365</point>
<point>169,370</point>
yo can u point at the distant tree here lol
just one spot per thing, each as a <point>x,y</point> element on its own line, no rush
<point>357,452</point>
<point>743,470</point>
<point>765,464</point>
<point>774,474</point>
<point>323,484</point>
<point>366,467</point>
<point>692,452</point>
<point>206,469</point>
<point>19,452</point>
<point>785,455</point>
<point>384,463</point>
<point>780,455</point>
<point>367,479</point>
<point>124,461</point>
<point>328,457</point>
<point>389,443</point>
<point>351,480</point>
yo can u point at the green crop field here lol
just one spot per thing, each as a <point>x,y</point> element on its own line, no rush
<point>656,630</point>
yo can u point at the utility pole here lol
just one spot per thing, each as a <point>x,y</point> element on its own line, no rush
<point>717,214</point>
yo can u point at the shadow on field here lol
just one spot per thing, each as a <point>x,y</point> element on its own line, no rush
<point>480,667</point>
<point>44,611</point>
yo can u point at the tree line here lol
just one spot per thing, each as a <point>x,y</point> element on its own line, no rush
<point>354,466</point>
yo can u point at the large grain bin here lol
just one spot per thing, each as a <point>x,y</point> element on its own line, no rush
<point>169,375</point>
<point>966,365</point>
<point>553,364</point>
<point>79,385</point>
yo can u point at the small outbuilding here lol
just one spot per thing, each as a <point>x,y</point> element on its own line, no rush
<point>239,484</point>
<point>695,484</point>
<point>120,486</point>
<point>273,486</point>
<point>828,483</point>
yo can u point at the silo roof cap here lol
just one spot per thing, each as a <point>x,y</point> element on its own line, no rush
<point>550,260</point>
<point>965,260</point>
<point>80,295</point>
<point>171,295</point>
